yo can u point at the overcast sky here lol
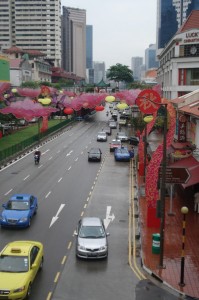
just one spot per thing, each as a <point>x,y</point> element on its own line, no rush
<point>121,28</point>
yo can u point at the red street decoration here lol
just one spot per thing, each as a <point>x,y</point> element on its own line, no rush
<point>68,111</point>
<point>152,194</point>
<point>147,100</point>
<point>45,90</point>
<point>99,108</point>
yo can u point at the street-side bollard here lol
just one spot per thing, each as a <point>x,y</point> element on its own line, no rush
<point>184,211</point>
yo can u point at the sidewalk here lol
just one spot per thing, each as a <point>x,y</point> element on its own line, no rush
<point>173,244</point>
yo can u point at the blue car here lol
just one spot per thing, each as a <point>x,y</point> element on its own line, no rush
<point>19,210</point>
<point>122,154</point>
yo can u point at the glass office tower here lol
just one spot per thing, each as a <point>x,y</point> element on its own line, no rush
<point>171,15</point>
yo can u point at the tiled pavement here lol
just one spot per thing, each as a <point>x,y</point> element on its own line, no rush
<point>173,243</point>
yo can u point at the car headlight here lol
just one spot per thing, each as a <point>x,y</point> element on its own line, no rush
<point>23,219</point>
<point>2,218</point>
<point>81,247</point>
<point>21,289</point>
<point>103,248</point>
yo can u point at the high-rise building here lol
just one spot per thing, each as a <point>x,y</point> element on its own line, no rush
<point>171,14</point>
<point>32,25</point>
<point>74,41</point>
<point>99,71</point>
<point>150,57</point>
<point>136,63</point>
<point>89,46</point>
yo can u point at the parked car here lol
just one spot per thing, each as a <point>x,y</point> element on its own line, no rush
<point>108,130</point>
<point>95,154</point>
<point>115,144</point>
<point>102,136</point>
<point>19,263</point>
<point>19,210</point>
<point>134,140</point>
<point>91,239</point>
<point>112,124</point>
<point>122,154</point>
<point>122,136</point>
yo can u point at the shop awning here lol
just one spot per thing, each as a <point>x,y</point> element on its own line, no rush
<point>192,165</point>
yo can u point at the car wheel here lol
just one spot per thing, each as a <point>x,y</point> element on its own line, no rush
<point>29,291</point>
<point>41,264</point>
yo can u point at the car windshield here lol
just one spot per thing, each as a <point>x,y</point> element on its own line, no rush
<point>116,143</point>
<point>121,133</point>
<point>94,151</point>
<point>92,232</point>
<point>123,150</point>
<point>18,205</point>
<point>13,264</point>
<point>102,133</point>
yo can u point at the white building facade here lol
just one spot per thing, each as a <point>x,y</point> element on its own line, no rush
<point>178,73</point>
<point>34,25</point>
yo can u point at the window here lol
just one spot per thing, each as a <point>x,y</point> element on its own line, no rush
<point>192,77</point>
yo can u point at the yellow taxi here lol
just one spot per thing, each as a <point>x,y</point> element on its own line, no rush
<point>19,263</point>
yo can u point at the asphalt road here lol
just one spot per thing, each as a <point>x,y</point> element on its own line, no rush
<point>69,187</point>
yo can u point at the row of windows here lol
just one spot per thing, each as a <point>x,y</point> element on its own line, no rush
<point>189,50</point>
<point>168,56</point>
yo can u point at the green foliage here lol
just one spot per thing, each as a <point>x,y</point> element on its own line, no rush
<point>119,73</point>
<point>139,85</point>
<point>30,84</point>
<point>138,123</point>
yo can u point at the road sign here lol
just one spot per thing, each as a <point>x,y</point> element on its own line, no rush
<point>175,175</point>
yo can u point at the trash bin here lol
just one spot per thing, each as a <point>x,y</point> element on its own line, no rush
<point>156,243</point>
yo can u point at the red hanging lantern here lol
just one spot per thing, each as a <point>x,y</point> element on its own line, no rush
<point>68,111</point>
<point>99,108</point>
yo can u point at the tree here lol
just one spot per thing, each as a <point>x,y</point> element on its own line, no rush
<point>119,73</point>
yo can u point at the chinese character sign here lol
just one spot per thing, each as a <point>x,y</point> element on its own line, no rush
<point>182,130</point>
<point>148,101</point>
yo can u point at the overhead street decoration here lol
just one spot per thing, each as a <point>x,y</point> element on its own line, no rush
<point>175,175</point>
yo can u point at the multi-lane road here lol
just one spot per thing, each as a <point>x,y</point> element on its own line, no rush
<point>69,187</point>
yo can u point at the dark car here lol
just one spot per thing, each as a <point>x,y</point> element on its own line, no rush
<point>95,154</point>
<point>133,140</point>
<point>108,130</point>
<point>19,210</point>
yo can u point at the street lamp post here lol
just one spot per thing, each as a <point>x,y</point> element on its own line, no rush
<point>163,188</point>
<point>184,211</point>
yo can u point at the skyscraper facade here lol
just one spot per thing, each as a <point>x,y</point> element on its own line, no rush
<point>150,57</point>
<point>89,46</point>
<point>99,71</point>
<point>171,14</point>
<point>136,63</point>
<point>74,41</point>
<point>32,25</point>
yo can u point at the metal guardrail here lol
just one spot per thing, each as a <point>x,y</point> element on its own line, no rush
<point>20,147</point>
